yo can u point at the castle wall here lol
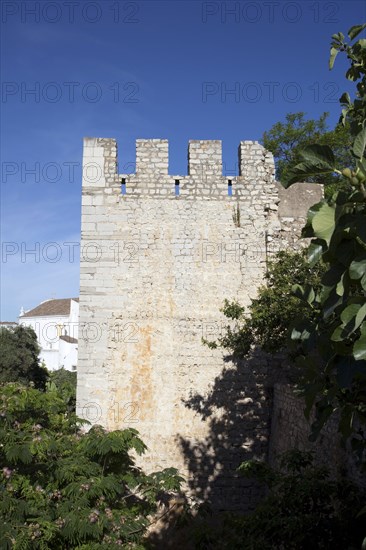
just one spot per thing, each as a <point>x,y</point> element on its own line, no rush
<point>290,429</point>
<point>156,268</point>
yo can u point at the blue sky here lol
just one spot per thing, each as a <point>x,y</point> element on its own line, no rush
<point>140,69</point>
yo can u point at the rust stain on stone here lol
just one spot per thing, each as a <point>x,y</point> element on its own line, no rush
<point>131,400</point>
<point>142,390</point>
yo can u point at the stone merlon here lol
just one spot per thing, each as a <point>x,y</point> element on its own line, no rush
<point>152,176</point>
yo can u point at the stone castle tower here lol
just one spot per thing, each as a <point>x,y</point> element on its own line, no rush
<point>159,255</point>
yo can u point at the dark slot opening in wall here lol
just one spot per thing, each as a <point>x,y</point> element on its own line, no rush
<point>177,188</point>
<point>230,188</point>
<point>123,186</point>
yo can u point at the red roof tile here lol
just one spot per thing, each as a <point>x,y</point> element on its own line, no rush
<point>51,307</point>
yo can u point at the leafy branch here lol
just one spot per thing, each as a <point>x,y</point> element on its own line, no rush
<point>333,345</point>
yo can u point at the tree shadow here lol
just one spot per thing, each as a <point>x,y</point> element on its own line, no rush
<point>238,412</point>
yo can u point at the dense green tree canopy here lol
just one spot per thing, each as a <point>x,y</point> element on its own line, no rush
<point>19,362</point>
<point>62,488</point>
<point>286,139</point>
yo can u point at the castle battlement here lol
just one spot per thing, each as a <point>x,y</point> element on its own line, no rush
<point>203,180</point>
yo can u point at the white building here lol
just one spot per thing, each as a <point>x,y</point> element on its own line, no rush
<point>56,324</point>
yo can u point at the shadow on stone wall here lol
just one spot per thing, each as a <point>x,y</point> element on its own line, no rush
<point>237,410</point>
<point>291,430</point>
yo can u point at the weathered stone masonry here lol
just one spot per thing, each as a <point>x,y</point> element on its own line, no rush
<point>290,430</point>
<point>156,268</point>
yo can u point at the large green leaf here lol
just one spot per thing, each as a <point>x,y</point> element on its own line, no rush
<point>316,159</point>
<point>323,222</point>
<point>352,317</point>
<point>360,316</point>
<point>334,274</point>
<point>333,55</point>
<point>357,269</point>
<point>315,252</point>
<point>305,293</point>
<point>304,170</point>
<point>363,282</point>
<point>338,334</point>
<point>308,231</point>
<point>345,99</point>
<point>359,347</point>
<point>349,313</point>
<point>361,166</point>
<point>340,286</point>
<point>331,300</point>
<point>359,144</point>
<point>318,154</point>
<point>355,30</point>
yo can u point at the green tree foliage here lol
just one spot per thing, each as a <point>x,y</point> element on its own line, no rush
<point>333,357</point>
<point>304,509</point>
<point>62,488</point>
<point>286,139</point>
<point>19,362</point>
<point>63,382</point>
<point>267,322</point>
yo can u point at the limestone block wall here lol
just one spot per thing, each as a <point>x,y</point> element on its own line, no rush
<point>290,430</point>
<point>159,255</point>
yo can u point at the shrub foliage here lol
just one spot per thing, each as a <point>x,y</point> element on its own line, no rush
<point>63,488</point>
<point>268,319</point>
<point>304,509</point>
